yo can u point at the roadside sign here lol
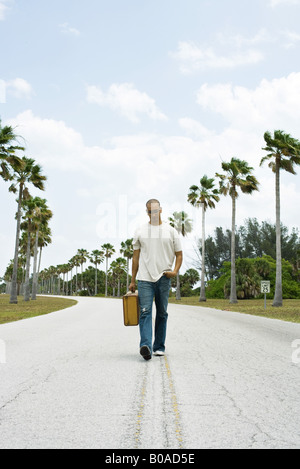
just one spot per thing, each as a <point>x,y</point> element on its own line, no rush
<point>265,286</point>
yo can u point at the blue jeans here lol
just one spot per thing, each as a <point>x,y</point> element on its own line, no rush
<point>148,291</point>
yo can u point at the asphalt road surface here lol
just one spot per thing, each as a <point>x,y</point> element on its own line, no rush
<point>75,379</point>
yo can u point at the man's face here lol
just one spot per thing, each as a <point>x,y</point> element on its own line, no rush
<point>154,211</point>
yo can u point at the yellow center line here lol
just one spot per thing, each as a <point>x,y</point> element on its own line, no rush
<point>140,412</point>
<point>174,404</point>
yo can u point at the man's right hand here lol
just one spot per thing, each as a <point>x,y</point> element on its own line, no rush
<point>132,287</point>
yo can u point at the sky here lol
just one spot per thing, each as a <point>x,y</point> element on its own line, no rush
<point>123,101</point>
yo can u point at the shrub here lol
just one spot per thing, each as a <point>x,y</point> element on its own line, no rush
<point>249,273</point>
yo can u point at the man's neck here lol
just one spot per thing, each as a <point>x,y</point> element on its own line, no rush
<point>155,223</point>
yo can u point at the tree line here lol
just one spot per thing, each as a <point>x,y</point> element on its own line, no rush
<point>283,154</point>
<point>91,281</point>
<point>252,240</point>
<point>33,216</point>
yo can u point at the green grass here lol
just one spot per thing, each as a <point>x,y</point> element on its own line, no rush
<point>29,309</point>
<point>290,311</point>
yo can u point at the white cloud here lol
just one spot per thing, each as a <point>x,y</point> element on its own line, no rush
<point>123,166</point>
<point>273,104</point>
<point>238,40</point>
<point>195,128</point>
<point>125,163</point>
<point>127,100</point>
<point>292,38</point>
<point>239,51</point>
<point>275,3</point>
<point>19,88</point>
<point>3,9</point>
<point>62,147</point>
<point>231,51</point>
<point>67,29</point>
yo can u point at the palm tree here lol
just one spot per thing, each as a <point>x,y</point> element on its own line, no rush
<point>42,280</point>
<point>127,251</point>
<point>53,274</point>
<point>118,268</point>
<point>64,269</point>
<point>29,227</point>
<point>58,271</point>
<point>192,277</point>
<point>238,175</point>
<point>283,153</point>
<point>204,196</point>
<point>8,157</point>
<point>44,276</point>
<point>25,251</point>
<point>183,225</point>
<point>70,268</point>
<point>82,257</point>
<point>76,262</point>
<point>28,172</point>
<point>44,239</point>
<point>97,257</point>
<point>36,213</point>
<point>71,265</point>
<point>108,252</point>
<point>42,214</point>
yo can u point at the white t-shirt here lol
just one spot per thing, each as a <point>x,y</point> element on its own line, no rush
<point>157,245</point>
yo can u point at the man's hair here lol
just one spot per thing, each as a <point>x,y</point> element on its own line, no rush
<point>153,201</point>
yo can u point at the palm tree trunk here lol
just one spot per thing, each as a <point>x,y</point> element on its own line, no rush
<point>13,294</point>
<point>40,257</point>
<point>27,288</point>
<point>178,293</point>
<point>35,276</point>
<point>233,298</point>
<point>106,276</point>
<point>202,288</point>
<point>127,275</point>
<point>71,282</point>
<point>278,286</point>
<point>96,290</point>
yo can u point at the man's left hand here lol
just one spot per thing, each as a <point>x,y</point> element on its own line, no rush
<point>170,273</point>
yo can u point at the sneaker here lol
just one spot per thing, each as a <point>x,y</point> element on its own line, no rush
<point>145,352</point>
<point>159,353</point>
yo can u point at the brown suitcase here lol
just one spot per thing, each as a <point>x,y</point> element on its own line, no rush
<point>131,309</point>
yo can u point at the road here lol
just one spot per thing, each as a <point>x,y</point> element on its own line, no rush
<point>75,379</point>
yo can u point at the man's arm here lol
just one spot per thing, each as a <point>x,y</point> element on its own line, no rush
<point>135,268</point>
<point>178,263</point>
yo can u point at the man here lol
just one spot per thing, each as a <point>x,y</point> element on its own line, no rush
<point>156,245</point>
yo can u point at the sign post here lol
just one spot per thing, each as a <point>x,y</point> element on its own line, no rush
<point>265,287</point>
